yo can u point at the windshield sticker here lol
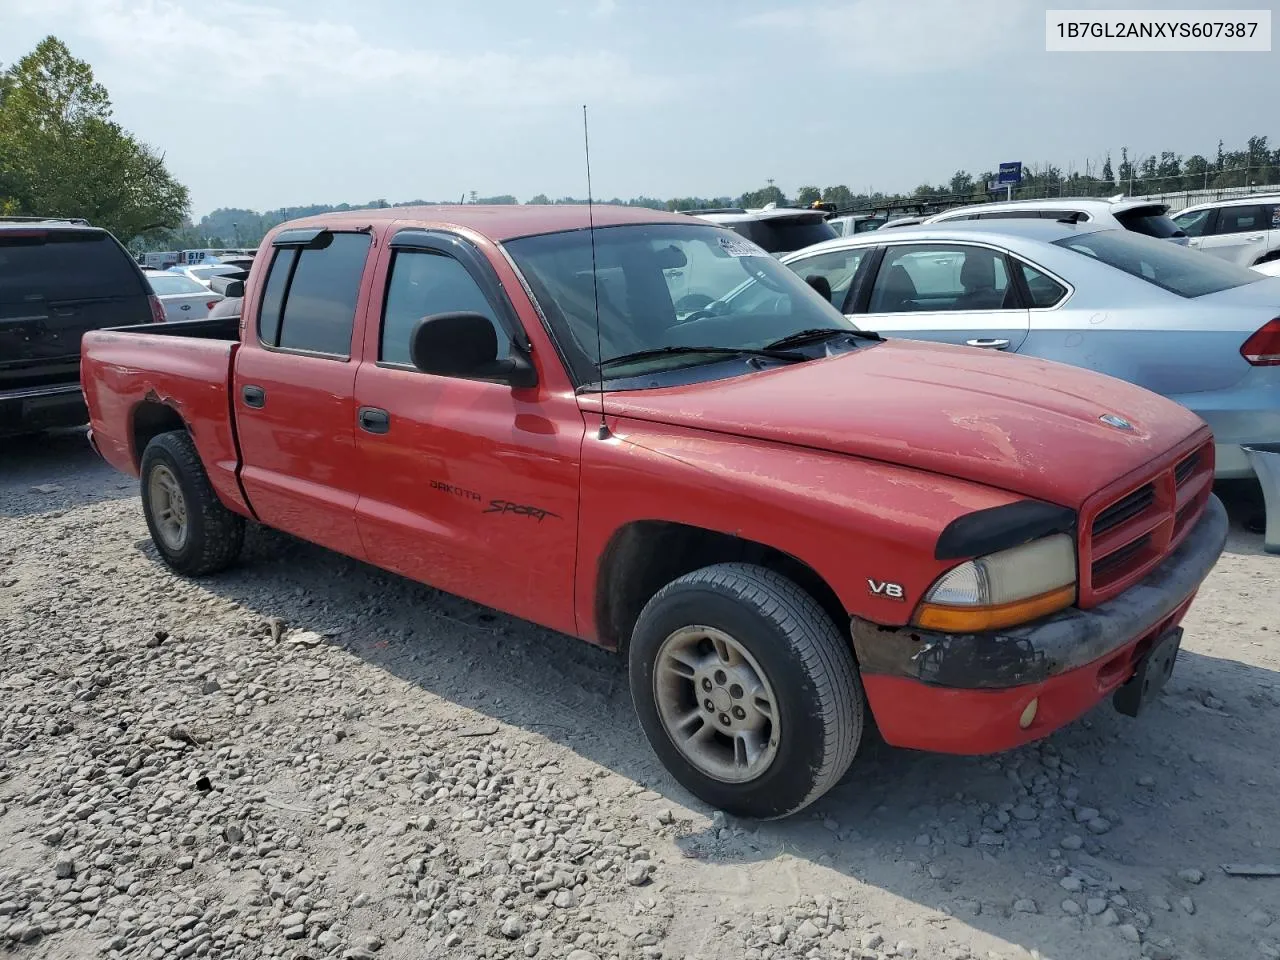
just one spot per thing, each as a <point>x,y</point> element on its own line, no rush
<point>736,246</point>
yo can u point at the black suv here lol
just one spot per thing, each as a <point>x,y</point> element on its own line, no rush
<point>58,278</point>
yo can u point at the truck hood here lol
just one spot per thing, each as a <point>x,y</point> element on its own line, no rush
<point>1029,426</point>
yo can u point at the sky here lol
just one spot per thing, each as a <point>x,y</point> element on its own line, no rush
<point>270,104</point>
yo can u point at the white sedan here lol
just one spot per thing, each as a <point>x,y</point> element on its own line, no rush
<point>203,273</point>
<point>1197,329</point>
<point>181,297</point>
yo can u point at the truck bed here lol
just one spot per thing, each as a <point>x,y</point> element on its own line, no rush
<point>180,372</point>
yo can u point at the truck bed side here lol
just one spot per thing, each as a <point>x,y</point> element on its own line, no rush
<point>137,382</point>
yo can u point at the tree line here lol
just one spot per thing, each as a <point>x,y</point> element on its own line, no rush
<point>1256,165</point>
<point>62,155</point>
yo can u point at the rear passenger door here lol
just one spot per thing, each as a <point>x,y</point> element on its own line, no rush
<point>293,389</point>
<point>949,292</point>
<point>1240,234</point>
<point>468,485</point>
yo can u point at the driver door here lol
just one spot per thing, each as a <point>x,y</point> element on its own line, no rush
<point>948,292</point>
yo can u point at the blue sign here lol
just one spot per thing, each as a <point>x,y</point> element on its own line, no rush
<point>1010,172</point>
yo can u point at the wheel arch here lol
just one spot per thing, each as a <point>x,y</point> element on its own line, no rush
<point>148,420</point>
<point>643,556</point>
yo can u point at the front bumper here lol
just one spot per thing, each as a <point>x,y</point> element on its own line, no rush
<point>965,693</point>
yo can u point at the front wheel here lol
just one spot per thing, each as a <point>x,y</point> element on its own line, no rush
<point>746,690</point>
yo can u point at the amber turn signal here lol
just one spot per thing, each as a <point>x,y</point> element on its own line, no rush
<point>973,619</point>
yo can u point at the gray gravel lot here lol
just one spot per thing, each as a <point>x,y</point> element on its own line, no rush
<point>306,757</point>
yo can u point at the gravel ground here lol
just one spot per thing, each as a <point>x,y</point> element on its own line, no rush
<point>306,757</point>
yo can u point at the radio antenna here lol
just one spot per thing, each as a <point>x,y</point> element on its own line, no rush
<point>603,432</point>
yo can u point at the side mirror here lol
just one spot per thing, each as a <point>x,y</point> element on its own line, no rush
<point>466,345</point>
<point>229,287</point>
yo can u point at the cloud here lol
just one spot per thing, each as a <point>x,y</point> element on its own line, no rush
<point>919,36</point>
<point>604,9</point>
<point>252,48</point>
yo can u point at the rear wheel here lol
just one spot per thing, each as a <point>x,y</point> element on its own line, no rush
<point>191,529</point>
<point>746,689</point>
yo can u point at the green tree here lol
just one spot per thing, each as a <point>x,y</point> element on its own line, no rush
<point>765,195</point>
<point>840,195</point>
<point>62,155</point>
<point>540,198</point>
<point>1108,175</point>
<point>806,196</point>
<point>1195,173</point>
<point>961,182</point>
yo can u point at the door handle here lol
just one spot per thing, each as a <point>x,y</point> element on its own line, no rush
<point>253,396</point>
<point>1254,239</point>
<point>989,343</point>
<point>374,420</point>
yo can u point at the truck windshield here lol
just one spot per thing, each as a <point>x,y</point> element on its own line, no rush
<point>665,285</point>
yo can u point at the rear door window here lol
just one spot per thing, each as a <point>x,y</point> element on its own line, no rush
<point>59,266</point>
<point>1150,222</point>
<point>941,277</point>
<point>309,303</point>
<point>1043,289</point>
<point>1242,219</point>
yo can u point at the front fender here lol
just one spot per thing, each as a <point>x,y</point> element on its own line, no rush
<point>852,521</point>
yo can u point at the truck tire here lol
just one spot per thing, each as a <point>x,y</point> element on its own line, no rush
<point>192,530</point>
<point>746,690</point>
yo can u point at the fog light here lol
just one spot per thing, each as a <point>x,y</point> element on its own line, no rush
<point>1029,713</point>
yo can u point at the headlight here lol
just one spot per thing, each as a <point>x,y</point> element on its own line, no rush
<point>1002,589</point>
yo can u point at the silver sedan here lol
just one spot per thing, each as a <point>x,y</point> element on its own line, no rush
<point>1201,331</point>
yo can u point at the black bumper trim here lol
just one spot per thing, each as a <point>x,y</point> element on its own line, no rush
<point>1056,644</point>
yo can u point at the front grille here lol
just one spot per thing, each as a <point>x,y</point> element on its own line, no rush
<point>1125,509</point>
<point>1185,468</point>
<point>1129,535</point>
<point>1112,562</point>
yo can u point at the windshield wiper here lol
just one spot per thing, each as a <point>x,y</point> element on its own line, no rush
<point>817,334</point>
<point>767,352</point>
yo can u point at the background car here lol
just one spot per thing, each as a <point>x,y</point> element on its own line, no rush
<point>1200,331</point>
<point>1269,268</point>
<point>204,273</point>
<point>848,225</point>
<point>1244,230</point>
<point>902,222</point>
<point>58,279</point>
<point>1140,216</point>
<point>777,229</point>
<point>181,297</point>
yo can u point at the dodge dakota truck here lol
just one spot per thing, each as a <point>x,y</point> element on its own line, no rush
<point>791,528</point>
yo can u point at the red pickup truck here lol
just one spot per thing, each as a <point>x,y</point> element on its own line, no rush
<point>654,436</point>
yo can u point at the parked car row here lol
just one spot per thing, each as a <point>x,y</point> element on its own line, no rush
<point>1193,328</point>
